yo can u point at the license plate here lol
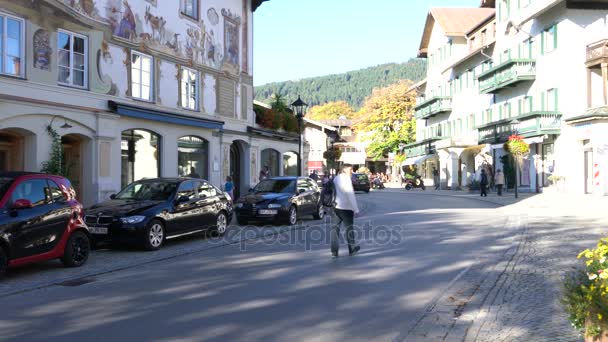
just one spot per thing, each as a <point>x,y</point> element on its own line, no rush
<point>267,212</point>
<point>362,183</point>
<point>98,230</point>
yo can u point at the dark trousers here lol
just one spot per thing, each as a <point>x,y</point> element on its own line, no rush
<point>484,190</point>
<point>436,181</point>
<point>499,189</point>
<point>347,218</point>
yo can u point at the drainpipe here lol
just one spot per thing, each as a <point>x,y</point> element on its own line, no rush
<point>220,133</point>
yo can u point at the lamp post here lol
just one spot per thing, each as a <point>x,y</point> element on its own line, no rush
<point>65,122</point>
<point>516,158</point>
<point>299,108</point>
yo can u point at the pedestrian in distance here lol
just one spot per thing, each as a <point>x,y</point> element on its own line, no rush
<point>229,187</point>
<point>436,178</point>
<point>345,209</point>
<point>483,183</point>
<point>264,173</point>
<point>499,180</point>
<point>314,176</point>
<point>193,173</point>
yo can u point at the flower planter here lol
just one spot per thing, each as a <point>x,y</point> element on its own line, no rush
<point>602,338</point>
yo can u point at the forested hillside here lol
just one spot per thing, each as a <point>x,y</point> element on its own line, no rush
<point>352,87</point>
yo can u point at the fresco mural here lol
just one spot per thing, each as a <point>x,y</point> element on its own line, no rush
<point>104,65</point>
<point>42,50</point>
<point>231,37</point>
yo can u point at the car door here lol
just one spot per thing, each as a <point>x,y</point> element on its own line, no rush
<point>315,194</point>
<point>304,193</point>
<point>60,211</point>
<point>32,230</point>
<point>185,213</point>
<point>208,202</point>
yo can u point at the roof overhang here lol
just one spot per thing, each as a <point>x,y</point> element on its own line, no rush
<point>256,3</point>
<point>594,114</point>
<point>471,55</point>
<point>140,112</point>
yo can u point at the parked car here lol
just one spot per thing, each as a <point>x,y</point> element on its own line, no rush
<point>149,211</point>
<point>361,182</point>
<point>40,220</point>
<point>280,200</point>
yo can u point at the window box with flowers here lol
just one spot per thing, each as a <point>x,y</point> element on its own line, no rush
<point>585,295</point>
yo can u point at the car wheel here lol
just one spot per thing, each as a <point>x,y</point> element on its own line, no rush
<point>241,221</point>
<point>3,262</point>
<point>221,224</point>
<point>292,217</point>
<point>76,250</point>
<point>320,214</point>
<point>367,191</point>
<point>154,235</point>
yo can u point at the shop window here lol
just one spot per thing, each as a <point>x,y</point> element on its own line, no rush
<point>12,48</point>
<point>193,157</point>
<point>140,157</point>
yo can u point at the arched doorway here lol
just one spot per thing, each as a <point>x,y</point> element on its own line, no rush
<point>193,156</point>
<point>140,154</point>
<point>13,149</point>
<point>270,159</point>
<point>75,156</point>
<point>290,164</point>
<point>236,156</point>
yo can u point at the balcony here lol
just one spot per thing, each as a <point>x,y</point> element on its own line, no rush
<point>597,53</point>
<point>434,106</point>
<point>531,124</point>
<point>507,74</point>
<point>420,148</point>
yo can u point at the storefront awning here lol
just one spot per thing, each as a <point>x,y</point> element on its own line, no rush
<point>138,112</point>
<point>416,160</point>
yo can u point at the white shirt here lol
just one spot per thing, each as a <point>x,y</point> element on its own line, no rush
<point>345,194</point>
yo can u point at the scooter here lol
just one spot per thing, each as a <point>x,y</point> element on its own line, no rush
<point>414,183</point>
<point>377,184</point>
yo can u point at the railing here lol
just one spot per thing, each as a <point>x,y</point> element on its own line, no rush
<point>419,149</point>
<point>507,73</point>
<point>434,106</point>
<point>530,124</point>
<point>597,51</point>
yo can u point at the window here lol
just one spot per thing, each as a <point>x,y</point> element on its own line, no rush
<point>187,189</point>
<point>346,132</point>
<point>141,76</point>
<point>54,192</point>
<point>72,59</point>
<point>32,190</point>
<point>552,100</point>
<point>190,8</point>
<point>528,104</point>
<point>206,190</point>
<point>189,89</point>
<point>11,45</point>
<point>549,39</point>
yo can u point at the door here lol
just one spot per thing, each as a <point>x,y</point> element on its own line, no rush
<point>60,211</point>
<point>588,171</point>
<point>185,213</point>
<point>304,196</point>
<point>235,169</point>
<point>208,202</point>
<point>33,230</point>
<point>315,194</point>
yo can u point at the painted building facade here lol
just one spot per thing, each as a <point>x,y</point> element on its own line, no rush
<point>134,89</point>
<point>541,76</point>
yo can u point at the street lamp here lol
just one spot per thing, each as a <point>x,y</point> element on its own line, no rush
<point>65,122</point>
<point>515,123</point>
<point>299,108</point>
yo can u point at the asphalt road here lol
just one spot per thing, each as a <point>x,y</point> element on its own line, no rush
<point>283,287</point>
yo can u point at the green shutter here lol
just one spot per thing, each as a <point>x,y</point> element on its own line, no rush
<point>542,43</point>
<point>555,36</point>
<point>555,98</point>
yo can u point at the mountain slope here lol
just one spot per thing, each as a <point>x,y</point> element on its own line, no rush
<point>352,87</point>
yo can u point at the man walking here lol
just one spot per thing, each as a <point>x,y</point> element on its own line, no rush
<point>345,210</point>
<point>436,178</point>
<point>499,180</point>
<point>483,184</point>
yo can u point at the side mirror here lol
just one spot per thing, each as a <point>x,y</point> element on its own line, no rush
<point>22,204</point>
<point>113,196</point>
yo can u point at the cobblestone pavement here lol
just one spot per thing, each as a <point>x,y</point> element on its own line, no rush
<point>515,297</point>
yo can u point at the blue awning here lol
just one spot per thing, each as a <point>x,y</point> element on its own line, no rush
<point>161,116</point>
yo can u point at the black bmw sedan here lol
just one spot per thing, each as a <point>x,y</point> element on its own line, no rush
<point>280,200</point>
<point>149,211</point>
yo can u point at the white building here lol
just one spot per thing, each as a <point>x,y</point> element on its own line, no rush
<point>133,88</point>
<point>543,78</point>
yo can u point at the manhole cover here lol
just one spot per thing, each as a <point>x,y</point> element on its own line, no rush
<point>77,282</point>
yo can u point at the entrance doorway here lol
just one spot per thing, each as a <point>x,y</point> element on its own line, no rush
<point>235,168</point>
<point>140,153</point>
<point>72,162</point>
<point>13,149</point>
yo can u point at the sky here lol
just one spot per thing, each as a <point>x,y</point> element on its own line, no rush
<point>296,39</point>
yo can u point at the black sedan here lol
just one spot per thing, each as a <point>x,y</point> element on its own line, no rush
<point>361,182</point>
<point>280,200</point>
<point>149,211</point>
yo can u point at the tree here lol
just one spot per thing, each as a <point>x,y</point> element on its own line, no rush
<point>331,110</point>
<point>387,118</point>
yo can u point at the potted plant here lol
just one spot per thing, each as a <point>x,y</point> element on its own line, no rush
<point>585,295</point>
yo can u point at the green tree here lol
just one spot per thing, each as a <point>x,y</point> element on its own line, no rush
<point>386,119</point>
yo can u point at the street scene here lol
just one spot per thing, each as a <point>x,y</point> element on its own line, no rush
<point>416,171</point>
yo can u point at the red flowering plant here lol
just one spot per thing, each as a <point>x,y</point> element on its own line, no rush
<point>516,145</point>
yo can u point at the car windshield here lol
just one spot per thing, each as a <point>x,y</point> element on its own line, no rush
<point>153,191</point>
<point>360,177</point>
<point>5,183</point>
<point>286,186</point>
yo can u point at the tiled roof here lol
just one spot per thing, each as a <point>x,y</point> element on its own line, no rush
<point>453,22</point>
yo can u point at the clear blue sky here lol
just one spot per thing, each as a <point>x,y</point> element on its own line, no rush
<point>296,39</point>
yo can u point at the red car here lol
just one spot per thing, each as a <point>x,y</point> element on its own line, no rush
<point>40,219</point>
